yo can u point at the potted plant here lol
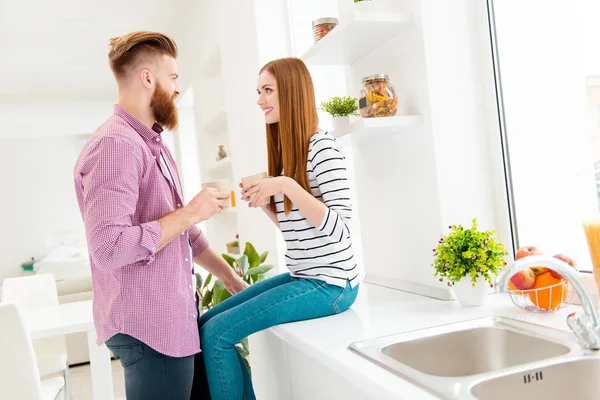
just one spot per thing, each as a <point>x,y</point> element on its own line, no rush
<point>251,268</point>
<point>340,108</point>
<point>468,260</point>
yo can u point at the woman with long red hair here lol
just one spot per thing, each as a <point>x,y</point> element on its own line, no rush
<point>310,203</point>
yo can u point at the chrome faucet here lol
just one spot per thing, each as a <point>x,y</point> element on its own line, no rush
<point>586,326</point>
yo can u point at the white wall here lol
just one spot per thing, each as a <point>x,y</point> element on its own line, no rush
<point>38,199</point>
<point>411,186</point>
<point>52,116</point>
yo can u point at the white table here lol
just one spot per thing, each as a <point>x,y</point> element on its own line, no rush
<point>73,318</point>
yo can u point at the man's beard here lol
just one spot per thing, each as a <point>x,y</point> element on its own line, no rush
<point>164,109</point>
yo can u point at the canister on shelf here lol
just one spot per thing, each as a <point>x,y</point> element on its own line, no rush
<point>378,97</point>
<point>322,26</point>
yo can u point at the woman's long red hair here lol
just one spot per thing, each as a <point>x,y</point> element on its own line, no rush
<point>288,140</point>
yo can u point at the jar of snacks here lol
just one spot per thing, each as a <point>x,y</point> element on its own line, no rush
<point>322,26</point>
<point>377,97</point>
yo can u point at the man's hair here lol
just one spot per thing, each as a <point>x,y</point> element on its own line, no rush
<point>129,50</point>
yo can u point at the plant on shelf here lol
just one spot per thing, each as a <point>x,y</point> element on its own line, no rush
<point>469,256</point>
<point>250,267</point>
<point>234,246</point>
<point>340,108</point>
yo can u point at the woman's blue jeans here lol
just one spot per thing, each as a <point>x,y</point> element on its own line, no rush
<point>274,301</point>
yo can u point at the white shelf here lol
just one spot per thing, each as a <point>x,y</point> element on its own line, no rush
<point>370,129</point>
<point>350,41</point>
<point>217,124</point>
<point>221,167</point>
<point>212,65</point>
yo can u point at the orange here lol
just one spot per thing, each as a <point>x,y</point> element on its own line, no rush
<point>550,298</point>
<point>513,289</point>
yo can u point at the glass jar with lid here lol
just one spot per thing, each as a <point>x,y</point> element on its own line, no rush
<point>378,97</point>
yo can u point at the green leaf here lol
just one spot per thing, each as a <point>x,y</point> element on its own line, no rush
<point>260,270</point>
<point>230,260</point>
<point>263,257</point>
<point>199,280</point>
<point>207,298</point>
<point>243,352</point>
<point>244,343</point>
<point>208,279</point>
<point>252,254</point>
<point>243,261</point>
<point>217,289</point>
<point>341,106</point>
<point>224,295</point>
<point>248,365</point>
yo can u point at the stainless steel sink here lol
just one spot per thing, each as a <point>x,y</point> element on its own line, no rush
<point>459,360</point>
<point>575,379</point>
<point>472,351</point>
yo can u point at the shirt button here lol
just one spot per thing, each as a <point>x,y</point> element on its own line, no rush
<point>190,286</point>
<point>186,260</point>
<point>178,205</point>
<point>194,316</point>
<point>182,233</point>
<point>158,139</point>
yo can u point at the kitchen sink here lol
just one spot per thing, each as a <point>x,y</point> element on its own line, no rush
<point>467,360</point>
<point>575,379</point>
<point>472,351</point>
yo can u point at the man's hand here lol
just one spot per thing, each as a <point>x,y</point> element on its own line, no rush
<point>206,204</point>
<point>234,284</point>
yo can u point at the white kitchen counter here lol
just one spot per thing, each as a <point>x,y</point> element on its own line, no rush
<point>379,311</point>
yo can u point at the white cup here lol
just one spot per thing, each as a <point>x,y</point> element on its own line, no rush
<point>256,177</point>
<point>221,185</point>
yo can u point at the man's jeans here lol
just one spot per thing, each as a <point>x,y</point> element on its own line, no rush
<point>149,374</point>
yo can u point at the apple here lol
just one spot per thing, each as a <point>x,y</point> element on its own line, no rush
<point>524,279</point>
<point>526,251</point>
<point>565,258</point>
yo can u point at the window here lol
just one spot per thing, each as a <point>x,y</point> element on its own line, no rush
<point>548,61</point>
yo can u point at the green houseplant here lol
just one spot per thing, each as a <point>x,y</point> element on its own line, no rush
<point>251,267</point>
<point>468,260</point>
<point>340,108</point>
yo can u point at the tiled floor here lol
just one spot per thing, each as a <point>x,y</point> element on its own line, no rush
<point>81,381</point>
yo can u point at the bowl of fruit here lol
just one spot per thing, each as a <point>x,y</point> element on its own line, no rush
<point>539,288</point>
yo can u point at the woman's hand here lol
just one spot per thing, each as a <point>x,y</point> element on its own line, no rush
<point>264,188</point>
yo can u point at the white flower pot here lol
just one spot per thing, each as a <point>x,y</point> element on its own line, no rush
<point>340,125</point>
<point>471,296</point>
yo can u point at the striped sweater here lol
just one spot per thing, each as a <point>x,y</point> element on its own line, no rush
<point>324,252</point>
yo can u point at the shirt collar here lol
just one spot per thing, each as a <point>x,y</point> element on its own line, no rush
<point>149,134</point>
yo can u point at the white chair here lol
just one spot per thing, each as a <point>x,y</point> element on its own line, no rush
<point>33,292</point>
<point>19,374</point>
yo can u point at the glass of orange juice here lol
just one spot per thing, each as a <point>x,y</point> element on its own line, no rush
<point>592,234</point>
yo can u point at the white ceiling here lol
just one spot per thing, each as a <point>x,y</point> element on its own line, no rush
<point>59,48</point>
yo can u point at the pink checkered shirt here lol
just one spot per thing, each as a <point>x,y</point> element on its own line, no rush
<point>122,191</point>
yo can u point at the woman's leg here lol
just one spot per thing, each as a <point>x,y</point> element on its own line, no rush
<point>300,299</point>
<point>199,388</point>
<point>245,295</point>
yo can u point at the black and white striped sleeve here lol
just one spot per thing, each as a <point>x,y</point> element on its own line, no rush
<point>329,167</point>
